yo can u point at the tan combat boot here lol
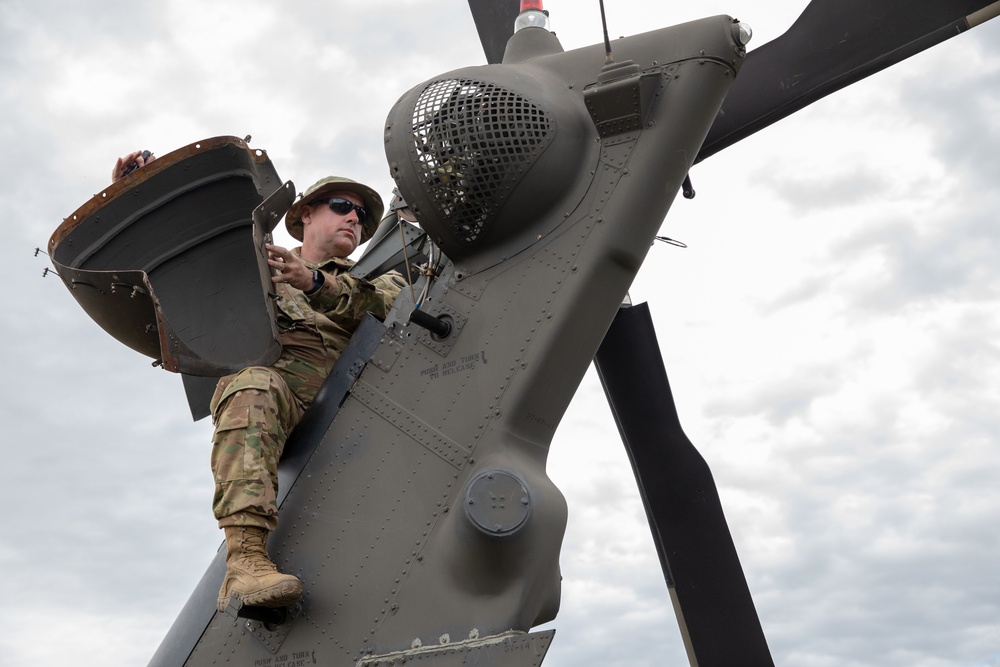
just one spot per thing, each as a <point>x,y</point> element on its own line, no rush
<point>250,575</point>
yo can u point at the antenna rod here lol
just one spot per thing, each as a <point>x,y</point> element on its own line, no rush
<point>607,40</point>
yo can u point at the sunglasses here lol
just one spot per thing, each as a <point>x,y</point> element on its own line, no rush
<point>342,206</point>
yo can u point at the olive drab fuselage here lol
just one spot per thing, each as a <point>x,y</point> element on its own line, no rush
<point>423,519</point>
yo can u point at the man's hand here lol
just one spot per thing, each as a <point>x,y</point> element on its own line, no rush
<point>129,163</point>
<point>288,268</point>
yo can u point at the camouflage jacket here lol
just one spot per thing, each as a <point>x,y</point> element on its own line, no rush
<point>314,329</point>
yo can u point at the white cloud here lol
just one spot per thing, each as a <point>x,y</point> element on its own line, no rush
<point>830,333</point>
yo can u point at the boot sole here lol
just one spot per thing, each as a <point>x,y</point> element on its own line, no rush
<point>279,595</point>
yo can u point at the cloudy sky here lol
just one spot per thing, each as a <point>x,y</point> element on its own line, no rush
<point>832,332</point>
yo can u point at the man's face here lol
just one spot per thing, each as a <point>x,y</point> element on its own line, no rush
<point>329,233</point>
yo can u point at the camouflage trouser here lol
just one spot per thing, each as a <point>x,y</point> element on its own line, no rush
<point>254,411</point>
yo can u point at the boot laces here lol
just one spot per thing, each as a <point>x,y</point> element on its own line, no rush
<point>257,564</point>
<point>254,556</point>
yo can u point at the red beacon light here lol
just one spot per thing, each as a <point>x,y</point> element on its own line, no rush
<point>532,16</point>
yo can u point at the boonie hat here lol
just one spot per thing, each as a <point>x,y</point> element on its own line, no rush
<point>327,186</point>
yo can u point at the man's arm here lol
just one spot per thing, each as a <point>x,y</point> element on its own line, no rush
<point>346,296</point>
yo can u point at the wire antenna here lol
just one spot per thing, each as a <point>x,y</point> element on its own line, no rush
<point>670,241</point>
<point>47,270</point>
<point>607,40</point>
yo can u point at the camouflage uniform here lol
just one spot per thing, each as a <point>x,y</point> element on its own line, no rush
<point>255,410</point>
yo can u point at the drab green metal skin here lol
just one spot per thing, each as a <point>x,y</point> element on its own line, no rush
<point>424,526</point>
<point>161,260</point>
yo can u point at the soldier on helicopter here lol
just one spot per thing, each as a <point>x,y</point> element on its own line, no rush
<point>319,306</point>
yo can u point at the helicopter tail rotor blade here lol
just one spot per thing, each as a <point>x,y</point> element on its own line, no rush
<point>833,44</point>
<point>495,23</point>
<point>710,594</point>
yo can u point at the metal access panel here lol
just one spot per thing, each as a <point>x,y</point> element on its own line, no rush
<point>168,261</point>
<point>512,649</point>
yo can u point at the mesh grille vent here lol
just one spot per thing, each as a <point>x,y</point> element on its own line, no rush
<point>473,142</point>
